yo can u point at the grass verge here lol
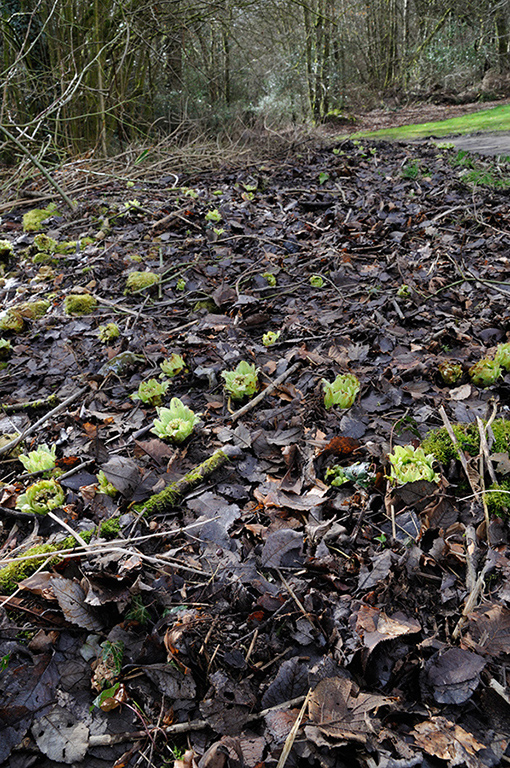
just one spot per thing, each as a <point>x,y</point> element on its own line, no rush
<point>494,119</point>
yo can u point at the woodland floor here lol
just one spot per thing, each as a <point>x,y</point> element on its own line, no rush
<point>375,620</point>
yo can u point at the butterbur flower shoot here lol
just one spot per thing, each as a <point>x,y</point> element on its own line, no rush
<point>242,381</point>
<point>172,365</point>
<point>450,372</point>
<point>41,497</point>
<point>270,338</point>
<point>175,423</point>
<point>104,485</point>
<point>151,392</point>
<point>409,464</point>
<point>485,372</point>
<point>342,391</point>
<point>502,356</point>
<point>40,460</point>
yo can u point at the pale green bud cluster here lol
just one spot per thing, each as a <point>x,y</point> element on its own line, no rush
<point>176,422</point>
<point>242,381</point>
<point>342,391</point>
<point>409,464</point>
<point>40,460</point>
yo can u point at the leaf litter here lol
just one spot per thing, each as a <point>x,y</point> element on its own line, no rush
<point>258,610</point>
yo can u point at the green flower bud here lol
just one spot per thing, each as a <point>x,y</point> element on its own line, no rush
<point>176,422</point>
<point>42,459</point>
<point>409,464</point>
<point>270,338</point>
<point>41,497</point>
<point>151,391</point>
<point>485,372</point>
<point>242,381</point>
<point>172,365</point>
<point>342,391</point>
<point>450,372</point>
<point>502,356</point>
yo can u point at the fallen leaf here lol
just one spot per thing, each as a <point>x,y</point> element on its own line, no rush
<point>452,676</point>
<point>291,681</point>
<point>283,548</point>
<point>488,630</point>
<point>339,710</point>
<point>60,737</point>
<point>446,740</point>
<point>71,599</point>
<point>461,393</point>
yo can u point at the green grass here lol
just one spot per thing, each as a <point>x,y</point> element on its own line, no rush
<point>495,119</point>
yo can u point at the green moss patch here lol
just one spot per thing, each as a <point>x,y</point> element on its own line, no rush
<point>12,321</point>
<point>80,304</point>
<point>33,220</point>
<point>138,281</point>
<point>13,573</point>
<point>33,310</point>
<point>440,444</point>
<point>498,499</point>
<point>110,529</point>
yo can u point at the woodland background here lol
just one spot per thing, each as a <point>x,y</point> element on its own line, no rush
<point>108,74</point>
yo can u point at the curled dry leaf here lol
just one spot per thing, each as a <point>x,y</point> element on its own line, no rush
<point>446,740</point>
<point>340,711</point>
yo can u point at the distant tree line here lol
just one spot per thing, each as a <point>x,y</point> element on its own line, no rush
<point>81,74</point>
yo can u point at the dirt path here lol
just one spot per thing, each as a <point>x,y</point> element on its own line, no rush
<point>493,144</point>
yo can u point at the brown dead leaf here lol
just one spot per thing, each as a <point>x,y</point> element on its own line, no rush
<point>39,584</point>
<point>227,704</point>
<point>279,723</point>
<point>156,449</point>
<point>452,675</point>
<point>71,599</point>
<point>446,740</point>
<point>340,710</point>
<point>378,627</point>
<point>489,630</point>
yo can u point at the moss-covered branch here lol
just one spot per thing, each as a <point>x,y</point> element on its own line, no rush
<point>171,495</point>
<point>51,400</point>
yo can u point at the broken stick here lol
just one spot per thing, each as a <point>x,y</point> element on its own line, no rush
<point>265,392</point>
<point>171,495</point>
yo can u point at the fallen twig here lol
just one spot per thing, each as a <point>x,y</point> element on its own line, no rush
<point>265,392</point>
<point>485,457</point>
<point>291,738</point>
<point>475,592</point>
<point>13,443</point>
<point>31,404</point>
<point>105,739</point>
<point>462,458</point>
<point>102,548</point>
<point>169,497</point>
<point>65,197</point>
<point>169,217</point>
